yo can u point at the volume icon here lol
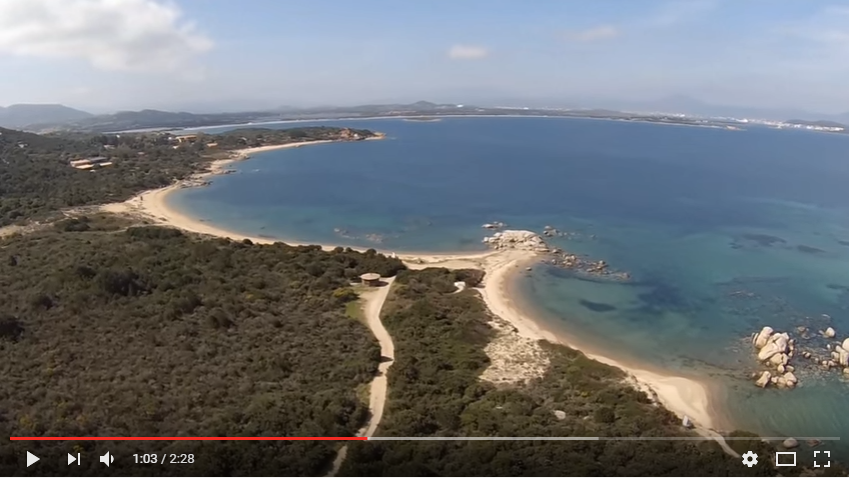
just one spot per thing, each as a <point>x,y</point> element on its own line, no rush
<point>107,458</point>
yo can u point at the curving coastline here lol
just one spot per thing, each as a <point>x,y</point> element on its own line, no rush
<point>681,395</point>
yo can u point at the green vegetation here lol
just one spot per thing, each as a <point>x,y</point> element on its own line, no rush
<point>434,390</point>
<point>113,330</point>
<point>36,180</point>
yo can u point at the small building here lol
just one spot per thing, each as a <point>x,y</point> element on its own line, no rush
<point>187,138</point>
<point>100,161</point>
<point>370,279</point>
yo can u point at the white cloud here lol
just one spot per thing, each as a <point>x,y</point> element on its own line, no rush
<point>117,35</point>
<point>467,52</point>
<point>599,33</point>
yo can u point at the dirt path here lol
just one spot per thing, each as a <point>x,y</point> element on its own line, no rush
<point>372,304</point>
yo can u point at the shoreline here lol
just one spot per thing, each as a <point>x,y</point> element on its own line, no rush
<point>681,395</point>
<point>152,206</point>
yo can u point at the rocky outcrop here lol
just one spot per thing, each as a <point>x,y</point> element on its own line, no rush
<point>775,350</point>
<point>517,240</point>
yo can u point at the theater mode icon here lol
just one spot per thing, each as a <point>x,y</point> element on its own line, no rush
<point>785,458</point>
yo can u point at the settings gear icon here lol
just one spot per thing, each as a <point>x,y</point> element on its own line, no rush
<point>750,459</point>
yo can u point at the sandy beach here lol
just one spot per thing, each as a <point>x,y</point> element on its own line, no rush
<point>683,396</point>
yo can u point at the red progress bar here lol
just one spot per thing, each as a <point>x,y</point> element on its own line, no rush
<point>184,438</point>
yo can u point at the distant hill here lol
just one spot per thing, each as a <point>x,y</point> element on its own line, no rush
<point>146,119</point>
<point>648,111</point>
<point>20,116</point>
<point>150,119</point>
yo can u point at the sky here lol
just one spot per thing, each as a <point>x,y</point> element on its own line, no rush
<point>108,55</point>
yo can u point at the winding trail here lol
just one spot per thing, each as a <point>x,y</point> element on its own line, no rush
<point>372,302</point>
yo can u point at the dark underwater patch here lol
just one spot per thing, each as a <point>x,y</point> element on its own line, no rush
<point>661,298</point>
<point>809,249</point>
<point>597,306</point>
<point>764,240</point>
<point>843,243</point>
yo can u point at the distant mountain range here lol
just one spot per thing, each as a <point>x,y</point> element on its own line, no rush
<point>21,116</point>
<point>42,118</point>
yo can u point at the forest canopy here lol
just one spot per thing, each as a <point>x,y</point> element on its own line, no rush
<point>146,331</point>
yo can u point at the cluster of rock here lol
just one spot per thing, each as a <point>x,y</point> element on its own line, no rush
<point>775,350</point>
<point>599,268</point>
<point>531,241</point>
<point>517,240</point>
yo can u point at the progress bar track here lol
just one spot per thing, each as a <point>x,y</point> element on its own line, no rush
<point>590,438</point>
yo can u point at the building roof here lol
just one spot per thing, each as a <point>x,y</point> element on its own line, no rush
<point>370,276</point>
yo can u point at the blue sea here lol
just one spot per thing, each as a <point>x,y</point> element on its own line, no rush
<point>723,232</point>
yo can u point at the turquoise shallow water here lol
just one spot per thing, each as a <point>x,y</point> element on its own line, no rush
<point>723,232</point>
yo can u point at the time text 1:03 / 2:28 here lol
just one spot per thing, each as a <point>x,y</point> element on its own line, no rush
<point>164,458</point>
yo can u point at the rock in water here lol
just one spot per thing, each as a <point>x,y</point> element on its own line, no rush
<point>841,356</point>
<point>790,443</point>
<point>830,333</point>
<point>768,351</point>
<point>764,380</point>
<point>845,344</point>
<point>789,377</point>
<point>560,414</point>
<point>761,339</point>
<point>687,422</point>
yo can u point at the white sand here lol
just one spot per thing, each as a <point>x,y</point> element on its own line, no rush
<point>683,396</point>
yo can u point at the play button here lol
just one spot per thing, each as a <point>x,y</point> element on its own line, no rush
<point>31,459</point>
